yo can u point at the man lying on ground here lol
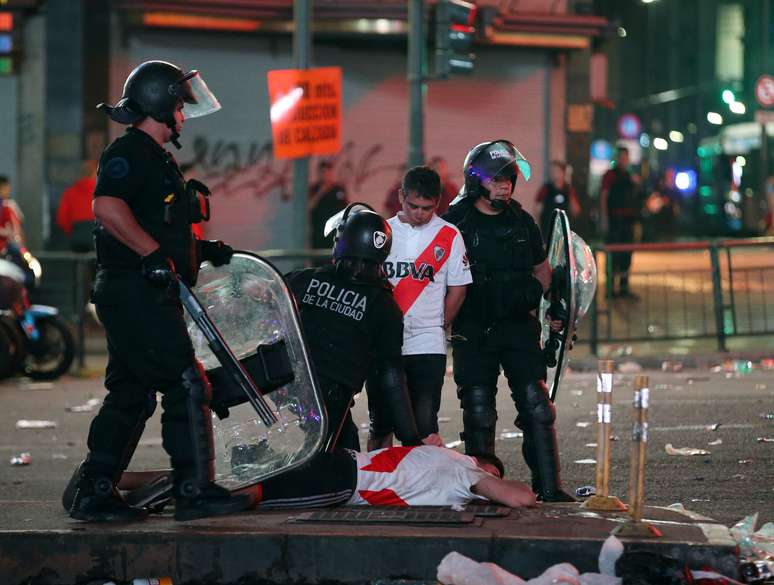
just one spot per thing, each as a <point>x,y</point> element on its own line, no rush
<point>395,476</point>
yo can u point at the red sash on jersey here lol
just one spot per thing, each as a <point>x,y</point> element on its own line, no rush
<point>408,289</point>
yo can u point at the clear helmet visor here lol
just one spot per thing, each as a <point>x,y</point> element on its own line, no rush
<point>335,221</point>
<point>198,100</point>
<point>500,158</point>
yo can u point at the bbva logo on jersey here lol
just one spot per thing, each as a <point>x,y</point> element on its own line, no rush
<point>403,269</point>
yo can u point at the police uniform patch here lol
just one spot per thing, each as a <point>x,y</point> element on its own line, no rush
<point>117,167</point>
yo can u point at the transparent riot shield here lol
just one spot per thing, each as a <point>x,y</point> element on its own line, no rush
<point>252,308</point>
<point>573,284</point>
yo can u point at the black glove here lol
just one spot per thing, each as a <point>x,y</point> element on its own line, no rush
<point>527,298</point>
<point>214,251</point>
<point>158,269</point>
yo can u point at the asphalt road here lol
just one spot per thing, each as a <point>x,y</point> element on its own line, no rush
<point>736,479</point>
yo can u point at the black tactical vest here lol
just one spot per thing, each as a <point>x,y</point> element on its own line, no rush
<point>337,317</point>
<point>501,259</point>
<point>162,209</point>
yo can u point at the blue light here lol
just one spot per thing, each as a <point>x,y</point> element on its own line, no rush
<point>6,43</point>
<point>685,180</point>
<point>601,150</point>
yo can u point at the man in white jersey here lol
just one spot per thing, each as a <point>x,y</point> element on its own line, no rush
<point>429,271</point>
<point>396,476</point>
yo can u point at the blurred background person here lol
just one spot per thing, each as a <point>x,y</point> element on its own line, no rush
<point>449,188</point>
<point>392,204</point>
<point>74,215</point>
<point>326,198</point>
<point>620,212</point>
<point>557,193</point>
<point>11,217</point>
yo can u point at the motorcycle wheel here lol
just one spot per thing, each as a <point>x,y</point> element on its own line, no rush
<point>52,354</point>
<point>16,345</point>
<point>6,357</point>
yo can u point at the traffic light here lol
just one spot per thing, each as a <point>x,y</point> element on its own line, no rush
<point>454,34</point>
<point>6,43</point>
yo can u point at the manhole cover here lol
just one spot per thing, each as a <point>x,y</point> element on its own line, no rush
<point>387,516</point>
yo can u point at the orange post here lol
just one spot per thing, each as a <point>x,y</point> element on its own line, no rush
<point>602,500</point>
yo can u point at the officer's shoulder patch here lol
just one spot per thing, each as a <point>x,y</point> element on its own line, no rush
<point>117,167</point>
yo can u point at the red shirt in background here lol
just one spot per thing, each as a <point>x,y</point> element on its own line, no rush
<point>75,205</point>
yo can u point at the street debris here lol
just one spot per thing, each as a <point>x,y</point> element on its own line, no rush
<point>713,426</point>
<point>745,461</point>
<point>585,491</point>
<point>767,415</point>
<point>511,435</point>
<point>453,444</point>
<point>663,387</point>
<point>586,462</point>
<point>591,444</point>
<point>672,366</point>
<point>765,439</point>
<point>27,385</point>
<point>444,419</point>
<point>614,438</point>
<point>457,569</point>
<point>767,364</point>
<point>754,545</point>
<point>21,459</point>
<point>761,386</point>
<point>700,500</point>
<point>694,379</point>
<point>59,456</point>
<point>715,442</point>
<point>89,406</point>
<point>576,392</point>
<point>582,424</point>
<point>629,368</point>
<point>35,424</point>
<point>686,451</point>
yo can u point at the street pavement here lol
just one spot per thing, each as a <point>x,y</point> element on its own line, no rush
<point>712,409</point>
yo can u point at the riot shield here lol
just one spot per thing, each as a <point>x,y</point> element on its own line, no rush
<point>573,284</point>
<point>249,305</point>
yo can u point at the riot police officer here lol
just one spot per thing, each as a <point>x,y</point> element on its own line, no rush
<point>353,325</point>
<point>496,326</point>
<point>144,211</point>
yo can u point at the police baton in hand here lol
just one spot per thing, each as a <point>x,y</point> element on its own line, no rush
<point>231,365</point>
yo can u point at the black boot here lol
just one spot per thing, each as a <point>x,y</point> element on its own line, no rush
<point>196,494</point>
<point>95,499</point>
<point>539,447</point>
<point>193,501</point>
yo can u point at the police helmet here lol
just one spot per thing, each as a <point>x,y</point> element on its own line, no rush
<point>155,88</point>
<point>489,160</point>
<point>361,234</point>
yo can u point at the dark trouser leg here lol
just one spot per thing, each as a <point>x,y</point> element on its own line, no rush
<point>526,377</point>
<point>342,431</point>
<point>476,372</point>
<point>621,232</point>
<point>329,479</point>
<point>424,378</point>
<point>187,436</point>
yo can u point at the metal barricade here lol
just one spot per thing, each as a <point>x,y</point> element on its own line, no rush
<point>687,290</point>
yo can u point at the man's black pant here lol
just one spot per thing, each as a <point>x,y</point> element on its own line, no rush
<point>342,430</point>
<point>476,370</point>
<point>621,231</point>
<point>148,351</point>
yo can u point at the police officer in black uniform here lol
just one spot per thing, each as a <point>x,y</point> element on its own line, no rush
<point>496,326</point>
<point>144,211</point>
<point>353,325</point>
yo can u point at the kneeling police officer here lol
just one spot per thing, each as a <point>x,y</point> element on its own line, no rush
<point>496,325</point>
<point>144,211</point>
<point>353,325</point>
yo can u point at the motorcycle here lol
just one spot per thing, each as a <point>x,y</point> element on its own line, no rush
<point>36,340</point>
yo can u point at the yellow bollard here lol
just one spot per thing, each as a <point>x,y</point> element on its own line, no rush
<point>635,526</point>
<point>602,500</point>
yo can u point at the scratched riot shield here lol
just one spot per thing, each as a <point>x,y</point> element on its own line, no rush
<point>573,284</point>
<point>256,436</point>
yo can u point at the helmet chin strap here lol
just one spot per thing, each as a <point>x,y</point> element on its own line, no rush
<point>175,134</point>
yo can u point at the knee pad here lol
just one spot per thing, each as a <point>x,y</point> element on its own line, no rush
<point>539,406</point>
<point>479,408</point>
<point>197,386</point>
